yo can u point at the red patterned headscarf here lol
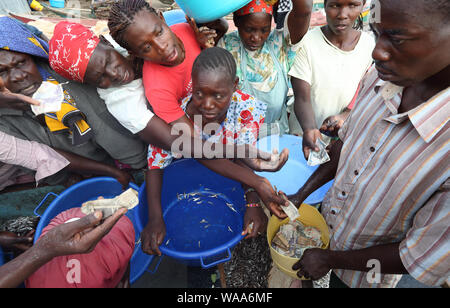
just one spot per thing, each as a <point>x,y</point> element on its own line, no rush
<point>255,6</point>
<point>70,49</point>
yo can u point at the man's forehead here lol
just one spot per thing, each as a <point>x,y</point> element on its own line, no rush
<point>407,16</point>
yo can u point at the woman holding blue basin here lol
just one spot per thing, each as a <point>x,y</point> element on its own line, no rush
<point>228,116</point>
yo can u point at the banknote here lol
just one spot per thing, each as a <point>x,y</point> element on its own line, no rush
<point>128,199</point>
<point>320,157</point>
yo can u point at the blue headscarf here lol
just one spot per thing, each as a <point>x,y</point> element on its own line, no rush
<point>15,36</point>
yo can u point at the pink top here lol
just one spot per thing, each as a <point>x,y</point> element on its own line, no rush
<point>29,154</point>
<point>166,86</point>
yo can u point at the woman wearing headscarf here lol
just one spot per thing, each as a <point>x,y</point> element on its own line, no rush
<point>83,125</point>
<point>265,56</point>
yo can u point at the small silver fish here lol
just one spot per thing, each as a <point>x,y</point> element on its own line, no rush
<point>230,205</point>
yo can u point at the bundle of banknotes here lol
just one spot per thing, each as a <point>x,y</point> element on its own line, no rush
<point>294,238</point>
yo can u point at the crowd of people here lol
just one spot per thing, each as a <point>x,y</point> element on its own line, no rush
<point>380,101</point>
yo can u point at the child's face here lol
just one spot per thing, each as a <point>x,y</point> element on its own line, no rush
<point>151,39</point>
<point>211,94</point>
<point>107,68</point>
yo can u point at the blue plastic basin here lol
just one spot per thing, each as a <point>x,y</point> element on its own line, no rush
<point>90,190</point>
<point>201,228</point>
<point>295,172</point>
<point>1,257</point>
<point>206,11</point>
<point>174,17</point>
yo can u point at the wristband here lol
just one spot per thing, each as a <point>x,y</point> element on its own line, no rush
<point>253,205</point>
<point>249,190</point>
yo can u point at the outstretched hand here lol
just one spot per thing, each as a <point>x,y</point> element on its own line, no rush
<point>80,236</point>
<point>270,198</point>
<point>274,164</point>
<point>205,36</point>
<point>309,141</point>
<point>332,124</point>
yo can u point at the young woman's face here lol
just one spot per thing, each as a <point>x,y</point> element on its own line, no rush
<point>107,68</point>
<point>211,94</point>
<point>19,72</point>
<point>342,14</point>
<point>151,39</point>
<point>254,29</point>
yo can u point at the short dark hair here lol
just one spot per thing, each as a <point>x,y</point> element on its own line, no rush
<point>215,58</point>
<point>439,8</point>
<point>121,16</point>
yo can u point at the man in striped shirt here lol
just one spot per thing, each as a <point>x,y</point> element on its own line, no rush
<point>389,208</point>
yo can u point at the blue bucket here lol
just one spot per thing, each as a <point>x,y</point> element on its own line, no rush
<point>57,3</point>
<point>296,171</point>
<point>213,10</point>
<point>203,213</point>
<point>90,190</point>
<point>174,17</point>
<point>2,260</point>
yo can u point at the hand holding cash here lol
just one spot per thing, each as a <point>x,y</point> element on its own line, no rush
<point>320,157</point>
<point>290,210</point>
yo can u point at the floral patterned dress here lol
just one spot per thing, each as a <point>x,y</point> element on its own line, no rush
<point>244,118</point>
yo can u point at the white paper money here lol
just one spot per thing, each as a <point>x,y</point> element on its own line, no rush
<point>318,158</point>
<point>291,211</point>
<point>50,97</point>
<point>128,199</point>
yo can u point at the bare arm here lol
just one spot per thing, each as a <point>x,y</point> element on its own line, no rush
<point>317,262</point>
<point>299,19</point>
<point>160,134</point>
<point>247,177</point>
<point>321,176</point>
<point>65,239</point>
<point>155,230</point>
<point>305,115</point>
<point>80,164</point>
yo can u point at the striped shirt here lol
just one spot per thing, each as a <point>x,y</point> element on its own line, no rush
<point>392,184</point>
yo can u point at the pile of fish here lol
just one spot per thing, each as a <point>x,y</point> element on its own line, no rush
<point>294,238</point>
<point>250,264</point>
<point>20,225</point>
